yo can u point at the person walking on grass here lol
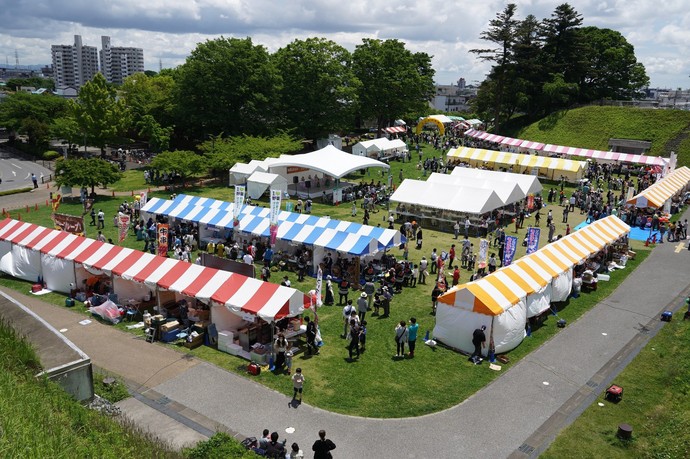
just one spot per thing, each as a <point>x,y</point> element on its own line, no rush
<point>354,338</point>
<point>401,337</point>
<point>297,384</point>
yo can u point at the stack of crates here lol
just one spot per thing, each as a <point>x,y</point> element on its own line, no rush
<point>226,342</point>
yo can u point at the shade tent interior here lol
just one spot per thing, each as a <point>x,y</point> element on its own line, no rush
<point>259,182</point>
<point>136,274</point>
<point>542,166</point>
<point>505,299</point>
<point>660,192</point>
<point>435,195</point>
<point>529,184</point>
<point>508,192</point>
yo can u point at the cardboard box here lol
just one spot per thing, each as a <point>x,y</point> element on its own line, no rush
<point>168,326</point>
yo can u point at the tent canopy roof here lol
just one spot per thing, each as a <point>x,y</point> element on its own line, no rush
<point>328,160</point>
<point>496,293</point>
<point>234,291</point>
<point>266,178</point>
<point>529,184</point>
<point>511,159</point>
<point>509,192</point>
<point>446,196</point>
<point>657,194</point>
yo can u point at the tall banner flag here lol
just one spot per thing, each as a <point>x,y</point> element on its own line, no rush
<point>275,211</point>
<point>532,239</point>
<point>123,221</point>
<point>162,236</point>
<point>69,223</point>
<point>319,284</point>
<point>56,202</point>
<point>509,250</point>
<point>483,253</point>
<point>143,197</point>
<point>239,202</point>
<point>530,201</point>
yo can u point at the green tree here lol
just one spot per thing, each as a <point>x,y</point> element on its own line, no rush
<point>319,89</point>
<point>182,162</point>
<point>563,48</point>
<point>31,115</point>
<point>394,80</point>
<point>99,114</point>
<point>86,172</point>
<point>612,70</point>
<point>37,82</point>
<point>223,153</point>
<point>529,70</point>
<point>226,85</point>
<point>66,129</point>
<point>501,33</point>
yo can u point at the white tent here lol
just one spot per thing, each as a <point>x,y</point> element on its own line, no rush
<point>529,184</point>
<point>509,192</point>
<point>396,146</point>
<point>446,197</point>
<point>240,172</point>
<point>259,182</point>
<point>370,148</point>
<point>328,160</point>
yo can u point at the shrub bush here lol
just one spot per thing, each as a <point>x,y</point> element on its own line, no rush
<point>50,155</point>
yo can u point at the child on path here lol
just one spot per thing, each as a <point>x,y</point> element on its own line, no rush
<point>297,383</point>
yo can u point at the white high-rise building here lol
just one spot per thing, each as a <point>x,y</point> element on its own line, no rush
<point>117,63</point>
<point>74,65</point>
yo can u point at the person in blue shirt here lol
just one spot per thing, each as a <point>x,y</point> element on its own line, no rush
<point>412,335</point>
<point>268,256</point>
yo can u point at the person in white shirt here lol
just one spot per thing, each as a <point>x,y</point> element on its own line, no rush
<point>248,259</point>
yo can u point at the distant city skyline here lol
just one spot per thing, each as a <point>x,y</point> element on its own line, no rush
<point>170,29</point>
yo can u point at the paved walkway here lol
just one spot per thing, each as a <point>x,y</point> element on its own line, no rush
<point>517,414</point>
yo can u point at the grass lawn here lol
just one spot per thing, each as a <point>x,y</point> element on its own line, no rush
<point>39,419</point>
<point>434,380</point>
<point>656,404</point>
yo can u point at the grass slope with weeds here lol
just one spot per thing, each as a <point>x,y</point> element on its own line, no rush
<point>38,419</point>
<point>656,403</point>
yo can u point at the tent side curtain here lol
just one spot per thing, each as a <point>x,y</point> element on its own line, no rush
<point>657,194</point>
<point>34,248</point>
<point>498,292</point>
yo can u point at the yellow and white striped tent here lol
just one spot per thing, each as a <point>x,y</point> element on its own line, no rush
<point>552,168</point>
<point>656,195</point>
<point>502,300</point>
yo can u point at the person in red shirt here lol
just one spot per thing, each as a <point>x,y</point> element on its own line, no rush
<point>567,229</point>
<point>456,276</point>
<point>451,255</point>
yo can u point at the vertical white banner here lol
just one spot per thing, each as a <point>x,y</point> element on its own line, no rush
<point>275,211</point>
<point>483,251</point>
<point>239,202</point>
<point>319,282</point>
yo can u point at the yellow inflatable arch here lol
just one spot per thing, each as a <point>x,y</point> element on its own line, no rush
<point>420,125</point>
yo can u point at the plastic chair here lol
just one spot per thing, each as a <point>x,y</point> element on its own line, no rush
<point>183,334</point>
<point>132,312</point>
<point>150,334</point>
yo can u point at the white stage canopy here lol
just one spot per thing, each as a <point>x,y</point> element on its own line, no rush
<point>328,160</point>
<point>240,172</point>
<point>446,197</point>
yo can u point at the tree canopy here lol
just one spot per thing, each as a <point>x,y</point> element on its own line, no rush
<point>541,66</point>
<point>182,162</point>
<point>86,172</point>
<point>394,80</point>
<point>223,153</point>
<point>31,115</point>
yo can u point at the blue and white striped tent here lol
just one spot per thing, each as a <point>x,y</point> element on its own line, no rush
<point>342,236</point>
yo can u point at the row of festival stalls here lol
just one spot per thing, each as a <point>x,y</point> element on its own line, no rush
<point>505,300</point>
<point>382,148</point>
<point>667,194</point>
<point>318,174</point>
<point>295,230</point>
<point>540,166</point>
<point>527,146</point>
<point>66,262</point>
<point>445,199</point>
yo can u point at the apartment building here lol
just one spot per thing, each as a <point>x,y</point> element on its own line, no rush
<point>117,63</point>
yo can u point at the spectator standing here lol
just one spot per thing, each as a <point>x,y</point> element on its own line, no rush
<point>101,219</point>
<point>479,341</point>
<point>297,383</point>
<point>347,312</point>
<point>323,446</point>
<point>412,330</point>
<point>311,336</point>
<point>401,338</point>
<point>354,338</point>
<point>362,306</point>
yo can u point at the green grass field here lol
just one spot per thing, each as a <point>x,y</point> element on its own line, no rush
<point>593,126</point>
<point>381,381</point>
<point>655,403</point>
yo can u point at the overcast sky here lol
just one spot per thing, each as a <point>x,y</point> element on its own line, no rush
<point>168,30</point>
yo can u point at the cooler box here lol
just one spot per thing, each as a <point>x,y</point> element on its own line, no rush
<point>259,357</point>
<point>170,336</point>
<point>234,349</point>
<point>168,326</point>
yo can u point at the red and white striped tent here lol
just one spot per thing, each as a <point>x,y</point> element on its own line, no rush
<point>395,130</point>
<point>28,251</point>
<point>505,299</point>
<point>656,195</point>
